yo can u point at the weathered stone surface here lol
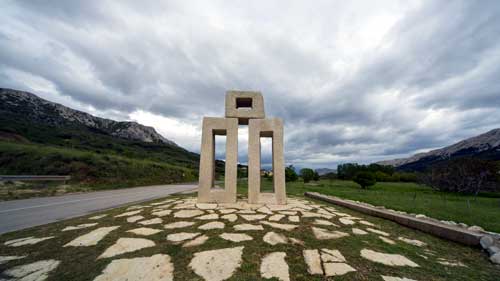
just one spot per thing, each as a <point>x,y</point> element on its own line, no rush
<point>178,224</point>
<point>134,218</point>
<point>6,259</point>
<point>128,214</point>
<point>246,212</point>
<point>208,217</point>
<point>265,210</point>
<point>366,223</point>
<point>306,214</point>
<point>212,225</point>
<point>288,213</point>
<point>253,217</point>
<point>274,238</point>
<point>181,236</point>
<point>387,259</point>
<point>98,217</point>
<point>379,232</point>
<point>282,226</point>
<point>277,217</point>
<point>294,218</point>
<point>151,221</point>
<point>162,213</point>
<point>387,240</point>
<point>80,226</point>
<point>273,265</point>
<point>391,278</point>
<point>328,255</point>
<point>154,268</point>
<point>247,227</point>
<point>324,222</point>
<point>206,206</point>
<point>26,241</point>
<point>337,269</point>
<point>126,245</point>
<point>217,265</point>
<point>413,242</point>
<point>236,237</point>
<point>36,271</point>
<point>358,231</point>
<point>346,221</point>
<point>188,213</point>
<point>450,263</point>
<point>323,234</point>
<point>313,261</point>
<point>145,231</point>
<point>91,238</point>
<point>227,211</point>
<point>196,242</point>
<point>230,217</point>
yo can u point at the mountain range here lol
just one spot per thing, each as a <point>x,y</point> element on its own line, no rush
<point>484,146</point>
<point>39,111</point>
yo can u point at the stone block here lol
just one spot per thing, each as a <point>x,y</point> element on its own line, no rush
<point>213,126</point>
<point>244,105</point>
<point>272,128</point>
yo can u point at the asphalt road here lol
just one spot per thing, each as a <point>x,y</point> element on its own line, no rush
<point>21,214</point>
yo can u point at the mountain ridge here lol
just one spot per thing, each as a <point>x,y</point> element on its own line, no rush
<point>43,111</point>
<point>486,145</point>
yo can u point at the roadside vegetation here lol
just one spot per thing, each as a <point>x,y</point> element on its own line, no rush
<point>88,170</point>
<point>481,210</point>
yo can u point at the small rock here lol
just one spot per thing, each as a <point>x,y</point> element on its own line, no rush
<point>323,222</point>
<point>391,278</point>
<point>217,265</point>
<point>5,259</point>
<point>495,258</point>
<point>328,255</point>
<point>146,231</point>
<point>91,238</point>
<point>178,224</point>
<point>134,218</point>
<point>313,261</point>
<point>126,245</point>
<point>181,236</point>
<point>128,214</point>
<point>376,231</point>
<point>161,213</point>
<point>151,221</point>
<point>274,266</point>
<point>277,217</point>
<point>212,225</point>
<point>208,217</point>
<point>236,237</point>
<point>346,221</point>
<point>486,241</point>
<point>413,242</point>
<point>294,218</point>
<point>247,227</point>
<point>253,217</point>
<point>421,216</point>
<point>387,240</point>
<point>358,231</point>
<point>230,217</point>
<point>337,269</point>
<point>80,226</point>
<point>274,238</point>
<point>323,234</point>
<point>493,250</point>
<point>387,259</point>
<point>282,226</point>
<point>475,228</point>
<point>188,213</point>
<point>196,242</point>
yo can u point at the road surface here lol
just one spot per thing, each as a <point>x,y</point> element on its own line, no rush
<point>20,214</point>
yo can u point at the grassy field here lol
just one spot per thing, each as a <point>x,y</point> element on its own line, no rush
<point>409,197</point>
<point>81,263</point>
<point>89,170</point>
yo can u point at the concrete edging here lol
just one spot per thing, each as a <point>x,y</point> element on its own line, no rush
<point>462,236</point>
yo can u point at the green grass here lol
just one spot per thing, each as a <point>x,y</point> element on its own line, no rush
<point>80,263</point>
<point>89,170</point>
<point>409,197</point>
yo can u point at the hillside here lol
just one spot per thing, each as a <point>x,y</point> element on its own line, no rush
<point>41,137</point>
<point>484,146</point>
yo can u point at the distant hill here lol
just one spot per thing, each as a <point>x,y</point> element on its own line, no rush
<point>484,146</point>
<point>324,171</point>
<point>41,137</point>
<point>32,108</point>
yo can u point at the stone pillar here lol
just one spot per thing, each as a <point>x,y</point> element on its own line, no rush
<point>272,128</point>
<point>213,126</point>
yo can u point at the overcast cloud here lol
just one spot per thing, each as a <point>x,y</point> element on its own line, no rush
<point>354,80</point>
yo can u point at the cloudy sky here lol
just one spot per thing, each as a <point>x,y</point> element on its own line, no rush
<point>355,81</point>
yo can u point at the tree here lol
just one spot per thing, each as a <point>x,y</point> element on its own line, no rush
<point>290,174</point>
<point>365,179</point>
<point>463,175</point>
<point>315,176</point>
<point>307,174</point>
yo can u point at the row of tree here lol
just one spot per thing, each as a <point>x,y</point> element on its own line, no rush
<point>381,173</point>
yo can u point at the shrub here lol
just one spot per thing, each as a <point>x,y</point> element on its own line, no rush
<point>307,174</point>
<point>290,174</point>
<point>365,179</point>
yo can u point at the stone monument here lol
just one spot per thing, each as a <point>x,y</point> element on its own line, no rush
<point>242,108</point>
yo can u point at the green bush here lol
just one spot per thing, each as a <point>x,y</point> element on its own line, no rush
<point>290,174</point>
<point>365,179</point>
<point>307,174</point>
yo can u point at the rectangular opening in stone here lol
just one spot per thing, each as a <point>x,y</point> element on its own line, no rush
<point>219,158</point>
<point>244,103</point>
<point>266,162</point>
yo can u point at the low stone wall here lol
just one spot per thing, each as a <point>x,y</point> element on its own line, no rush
<point>448,232</point>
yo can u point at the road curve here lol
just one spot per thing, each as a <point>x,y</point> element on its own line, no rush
<point>21,214</point>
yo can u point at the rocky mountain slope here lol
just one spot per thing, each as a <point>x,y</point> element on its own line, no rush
<point>38,110</point>
<point>486,146</point>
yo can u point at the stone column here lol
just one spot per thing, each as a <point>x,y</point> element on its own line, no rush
<point>272,128</point>
<point>213,126</point>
